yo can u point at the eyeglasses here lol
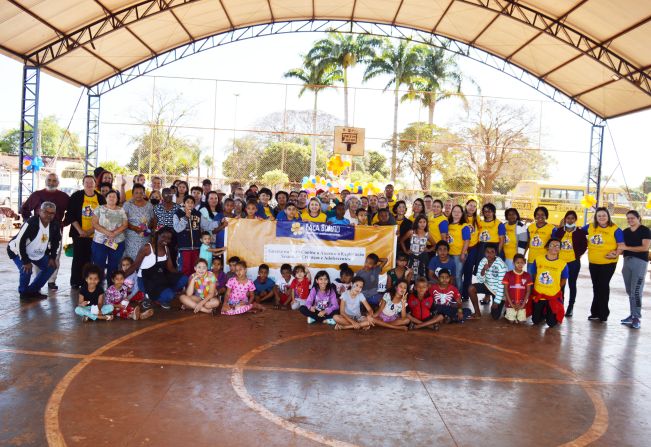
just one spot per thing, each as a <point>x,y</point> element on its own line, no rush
<point>554,246</point>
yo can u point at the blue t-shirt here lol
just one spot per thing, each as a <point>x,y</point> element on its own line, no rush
<point>334,220</point>
<point>282,217</point>
<point>205,254</point>
<point>263,287</point>
<point>436,265</point>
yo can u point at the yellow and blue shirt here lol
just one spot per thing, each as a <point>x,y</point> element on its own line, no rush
<point>538,237</point>
<point>490,232</point>
<point>601,241</point>
<point>457,233</point>
<point>548,275</point>
<point>437,226</point>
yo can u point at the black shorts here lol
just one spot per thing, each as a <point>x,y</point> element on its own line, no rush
<point>481,288</point>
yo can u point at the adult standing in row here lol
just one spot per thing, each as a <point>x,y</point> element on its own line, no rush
<point>637,238</point>
<point>573,245</point>
<point>213,219</point>
<point>473,255</point>
<point>32,206</point>
<point>605,244</point>
<point>109,223</point>
<point>79,215</point>
<point>459,240</point>
<point>140,214</point>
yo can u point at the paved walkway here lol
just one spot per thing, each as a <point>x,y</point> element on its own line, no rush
<point>182,379</point>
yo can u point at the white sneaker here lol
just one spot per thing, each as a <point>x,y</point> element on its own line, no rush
<point>310,320</point>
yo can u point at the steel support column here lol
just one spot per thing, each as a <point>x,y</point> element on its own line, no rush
<point>594,164</point>
<point>92,133</point>
<point>28,130</point>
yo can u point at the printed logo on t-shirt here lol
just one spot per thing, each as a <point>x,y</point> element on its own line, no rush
<point>44,238</point>
<point>87,212</point>
<point>506,239</point>
<point>450,239</point>
<point>566,245</point>
<point>443,297</point>
<point>484,236</point>
<point>597,239</point>
<point>545,278</point>
<point>536,241</point>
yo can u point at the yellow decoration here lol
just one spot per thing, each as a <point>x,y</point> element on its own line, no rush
<point>588,202</point>
<point>336,165</point>
<point>648,201</point>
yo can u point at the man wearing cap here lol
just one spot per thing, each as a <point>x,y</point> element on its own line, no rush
<point>52,194</point>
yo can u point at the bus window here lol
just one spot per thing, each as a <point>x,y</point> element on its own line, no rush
<point>574,195</point>
<point>622,199</point>
<point>554,194</point>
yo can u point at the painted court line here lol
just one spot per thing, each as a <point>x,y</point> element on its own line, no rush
<point>408,375</point>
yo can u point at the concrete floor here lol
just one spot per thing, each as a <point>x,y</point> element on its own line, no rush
<point>181,379</point>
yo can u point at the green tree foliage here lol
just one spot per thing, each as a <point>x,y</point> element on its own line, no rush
<point>376,163</point>
<point>275,177</point>
<point>401,63</point>
<point>114,167</point>
<point>242,160</point>
<point>341,52</point>
<point>426,148</point>
<point>55,140</point>
<point>159,150</point>
<point>292,158</point>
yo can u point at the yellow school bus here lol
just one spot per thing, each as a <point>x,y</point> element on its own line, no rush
<point>558,199</point>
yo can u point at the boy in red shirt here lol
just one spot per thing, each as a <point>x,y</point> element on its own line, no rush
<point>420,306</point>
<point>447,299</point>
<point>517,288</point>
<point>299,287</point>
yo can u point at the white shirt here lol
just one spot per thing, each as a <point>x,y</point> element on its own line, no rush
<point>283,285</point>
<point>36,249</point>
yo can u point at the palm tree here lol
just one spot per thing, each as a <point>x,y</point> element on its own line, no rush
<point>314,79</point>
<point>439,78</point>
<point>341,52</point>
<point>402,63</point>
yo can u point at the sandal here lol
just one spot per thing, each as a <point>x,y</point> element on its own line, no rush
<point>411,326</point>
<point>485,301</point>
<point>436,327</point>
<point>146,314</point>
<point>85,319</point>
<point>109,318</point>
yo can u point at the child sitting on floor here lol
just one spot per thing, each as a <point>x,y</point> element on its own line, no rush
<point>130,281</point>
<point>218,271</point>
<point>402,271</point>
<point>371,275</point>
<point>200,293</point>
<point>91,297</point>
<point>232,262</point>
<point>239,293</point>
<point>264,286</point>
<point>300,287</point>
<point>344,282</point>
<point>350,315</point>
<point>422,312</point>
<point>282,293</point>
<point>321,303</point>
<point>117,295</point>
<point>517,288</point>
<point>444,295</point>
<point>392,312</point>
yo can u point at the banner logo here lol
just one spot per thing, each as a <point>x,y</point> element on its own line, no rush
<point>313,230</point>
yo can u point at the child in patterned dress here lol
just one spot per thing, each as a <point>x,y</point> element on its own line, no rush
<point>200,292</point>
<point>239,293</point>
<point>118,296</point>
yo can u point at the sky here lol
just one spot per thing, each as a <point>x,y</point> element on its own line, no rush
<point>234,85</point>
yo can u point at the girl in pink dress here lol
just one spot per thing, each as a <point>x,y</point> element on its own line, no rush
<point>239,293</point>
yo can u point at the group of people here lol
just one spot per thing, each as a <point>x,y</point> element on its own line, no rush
<point>154,244</point>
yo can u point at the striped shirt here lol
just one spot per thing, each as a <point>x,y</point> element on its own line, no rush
<point>493,277</point>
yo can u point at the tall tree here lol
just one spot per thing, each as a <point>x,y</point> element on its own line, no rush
<point>55,140</point>
<point>426,148</point>
<point>439,78</point>
<point>159,148</point>
<point>314,79</point>
<point>496,147</point>
<point>242,161</point>
<point>343,51</point>
<point>401,63</point>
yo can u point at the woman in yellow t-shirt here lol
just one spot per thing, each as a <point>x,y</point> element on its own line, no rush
<point>512,226</point>
<point>473,258</point>
<point>549,276</point>
<point>459,240</point>
<point>539,233</point>
<point>605,244</point>
<point>313,212</point>
<point>491,230</point>
<point>437,222</point>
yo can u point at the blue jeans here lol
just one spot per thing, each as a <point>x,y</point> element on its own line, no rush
<point>106,258</point>
<point>45,271</point>
<point>469,269</point>
<point>167,295</point>
<point>458,267</point>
